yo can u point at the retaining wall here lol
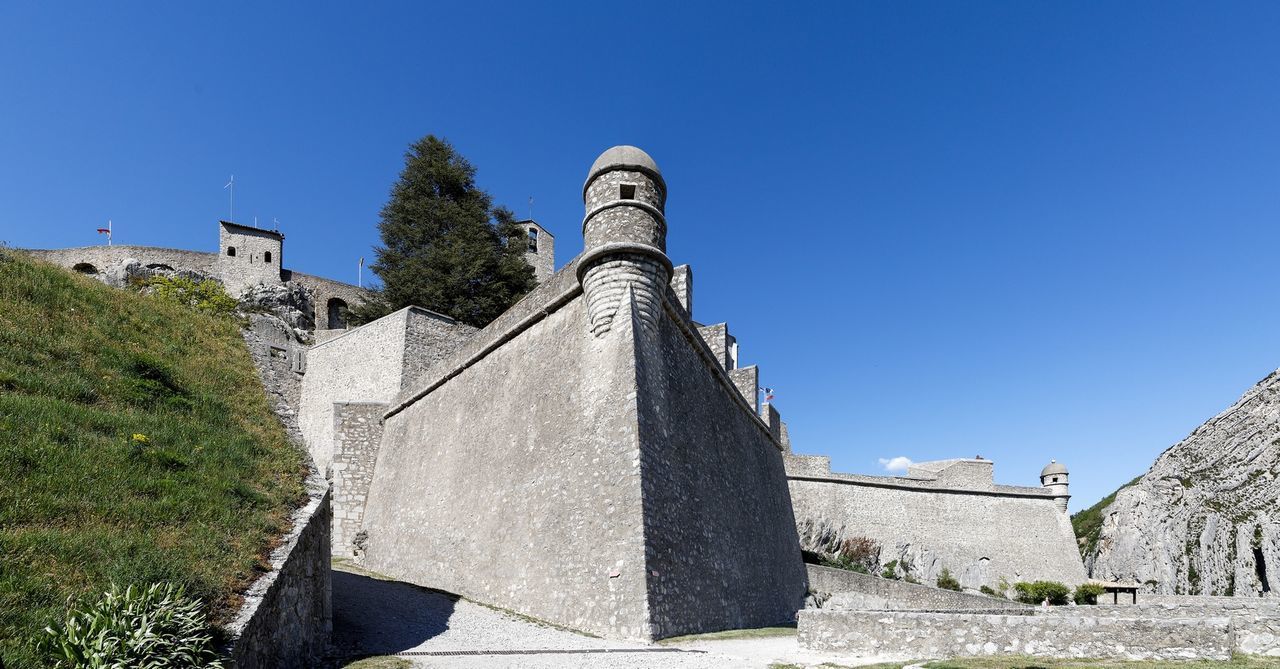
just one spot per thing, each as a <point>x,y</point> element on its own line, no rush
<point>287,616</point>
<point>862,591</point>
<point>357,428</point>
<point>945,635</point>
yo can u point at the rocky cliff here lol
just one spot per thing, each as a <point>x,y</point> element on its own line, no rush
<point>1205,518</point>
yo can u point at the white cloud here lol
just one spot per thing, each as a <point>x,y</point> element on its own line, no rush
<point>898,464</point>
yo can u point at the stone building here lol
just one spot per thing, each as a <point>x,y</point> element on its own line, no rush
<point>593,457</point>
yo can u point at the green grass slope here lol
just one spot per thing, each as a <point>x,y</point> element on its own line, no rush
<point>198,498</point>
<point>1087,523</point>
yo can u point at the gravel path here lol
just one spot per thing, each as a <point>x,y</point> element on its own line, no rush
<point>372,616</point>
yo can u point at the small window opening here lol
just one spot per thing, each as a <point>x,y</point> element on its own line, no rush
<point>231,251</point>
<point>266,257</point>
<point>1055,479</point>
<point>627,191</point>
<point>533,240</point>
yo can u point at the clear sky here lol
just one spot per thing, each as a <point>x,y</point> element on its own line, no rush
<point>1023,230</point>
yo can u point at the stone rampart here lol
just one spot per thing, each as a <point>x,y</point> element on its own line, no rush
<point>287,615</point>
<point>982,535</point>
<point>851,590</point>
<point>99,258</point>
<point>357,435</point>
<point>944,635</point>
<point>324,292</point>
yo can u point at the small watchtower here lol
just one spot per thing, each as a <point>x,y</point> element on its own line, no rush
<point>541,251</point>
<point>248,256</point>
<point>1054,477</point>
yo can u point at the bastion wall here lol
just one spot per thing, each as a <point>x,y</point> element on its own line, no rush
<point>980,531</point>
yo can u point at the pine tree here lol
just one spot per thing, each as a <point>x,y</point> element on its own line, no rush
<point>444,246</point>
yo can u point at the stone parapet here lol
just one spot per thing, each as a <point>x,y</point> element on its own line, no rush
<point>851,590</point>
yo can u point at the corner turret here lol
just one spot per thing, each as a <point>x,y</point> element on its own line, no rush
<point>624,237</point>
<point>1054,477</point>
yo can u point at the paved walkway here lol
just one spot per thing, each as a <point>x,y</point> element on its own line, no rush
<point>375,617</point>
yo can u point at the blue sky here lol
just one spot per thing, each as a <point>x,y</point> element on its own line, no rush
<point>1020,230</point>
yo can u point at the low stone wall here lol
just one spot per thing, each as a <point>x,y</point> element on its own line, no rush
<point>1257,635</point>
<point>287,615</point>
<point>945,635</point>
<point>862,591</point>
<point>1186,610</point>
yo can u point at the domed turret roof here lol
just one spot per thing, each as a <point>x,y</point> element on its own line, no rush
<point>1054,467</point>
<point>625,157</point>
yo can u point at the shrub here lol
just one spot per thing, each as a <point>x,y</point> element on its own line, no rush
<point>859,554</point>
<point>986,590</point>
<point>948,582</point>
<point>1087,593</point>
<point>890,570</point>
<point>207,295</point>
<point>1037,592</point>
<point>157,627</point>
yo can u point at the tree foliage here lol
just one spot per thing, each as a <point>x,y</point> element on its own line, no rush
<point>445,247</point>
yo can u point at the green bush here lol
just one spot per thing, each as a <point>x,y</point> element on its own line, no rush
<point>207,296</point>
<point>1087,593</point>
<point>890,570</point>
<point>1037,592</point>
<point>859,554</point>
<point>948,582</point>
<point>157,627</point>
<point>986,590</point>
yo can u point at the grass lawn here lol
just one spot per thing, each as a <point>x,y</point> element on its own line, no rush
<point>136,445</point>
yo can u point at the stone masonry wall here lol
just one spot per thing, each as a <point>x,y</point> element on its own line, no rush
<point>287,616</point>
<point>719,531</point>
<point>945,635</point>
<point>357,433</point>
<point>102,257</point>
<point>981,536</point>
<point>864,591</point>
<point>536,505</point>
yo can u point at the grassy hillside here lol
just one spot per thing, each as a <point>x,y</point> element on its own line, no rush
<point>136,445</point>
<point>1087,523</point>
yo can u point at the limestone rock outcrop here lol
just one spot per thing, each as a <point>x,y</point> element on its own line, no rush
<point>1205,519</point>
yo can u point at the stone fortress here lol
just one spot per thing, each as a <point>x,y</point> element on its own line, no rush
<point>597,458</point>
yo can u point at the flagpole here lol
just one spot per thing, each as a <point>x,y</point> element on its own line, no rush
<point>231,213</point>
<point>360,273</point>
<point>108,232</point>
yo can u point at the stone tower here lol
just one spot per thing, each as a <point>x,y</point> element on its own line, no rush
<point>1054,477</point>
<point>624,237</point>
<point>541,252</point>
<point>248,256</point>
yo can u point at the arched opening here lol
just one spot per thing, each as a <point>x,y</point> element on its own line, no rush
<point>231,251</point>
<point>337,314</point>
<point>84,268</point>
<point>157,265</point>
<point>533,240</point>
<point>266,257</point>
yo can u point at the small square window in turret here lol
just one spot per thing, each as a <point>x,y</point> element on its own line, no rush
<point>627,191</point>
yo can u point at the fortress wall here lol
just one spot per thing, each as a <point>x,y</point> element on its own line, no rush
<point>722,549</point>
<point>362,365</point>
<point>747,381</point>
<point>945,635</point>
<point>103,257</point>
<point>523,469</point>
<point>982,536</point>
<point>428,339</point>
<point>323,290</point>
<point>863,591</point>
<point>357,430</point>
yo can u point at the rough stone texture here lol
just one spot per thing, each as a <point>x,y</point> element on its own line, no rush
<point>682,286</point>
<point>287,616</point>
<point>747,381</point>
<point>371,363</point>
<point>99,258</point>
<point>773,421</point>
<point>720,550</point>
<point>288,301</point>
<point>326,294</point>
<point>1203,520</point>
<point>357,435</point>
<point>541,252</point>
<point>851,590</point>
<point>982,534</point>
<point>944,635</point>
<point>721,342</point>
<point>1257,635</point>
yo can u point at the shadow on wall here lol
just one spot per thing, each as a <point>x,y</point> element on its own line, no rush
<point>374,617</point>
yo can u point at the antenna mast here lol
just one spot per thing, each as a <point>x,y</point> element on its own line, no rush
<point>231,214</point>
